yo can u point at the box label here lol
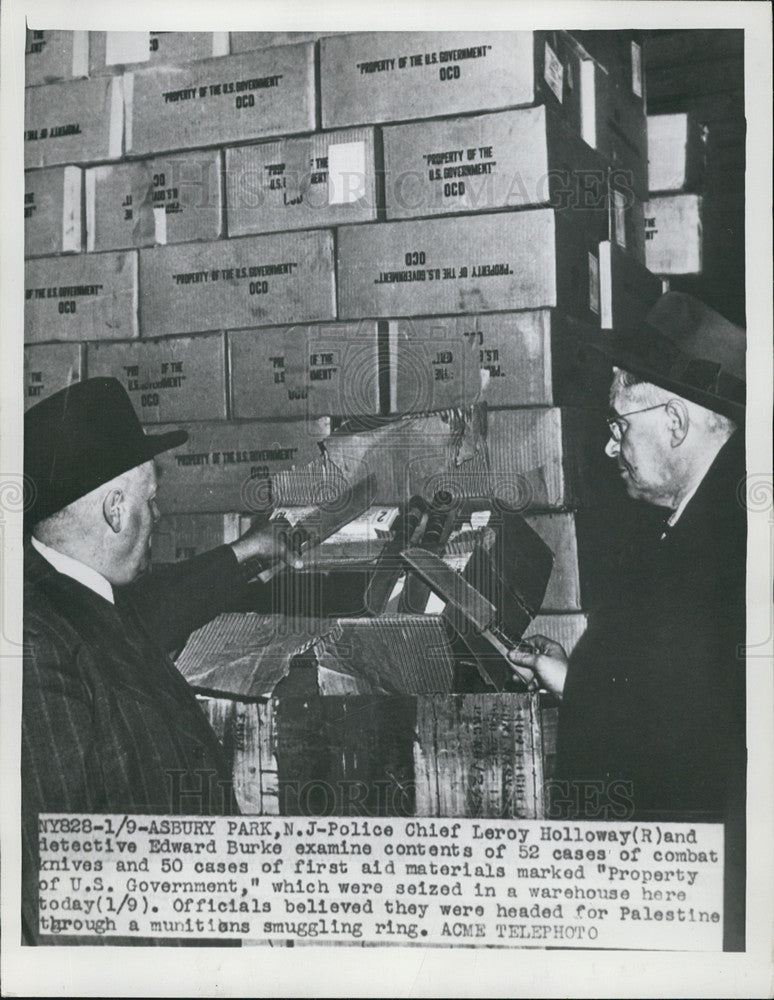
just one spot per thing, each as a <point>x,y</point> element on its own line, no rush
<point>346,172</point>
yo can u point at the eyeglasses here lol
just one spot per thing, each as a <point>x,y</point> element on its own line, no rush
<point>616,422</point>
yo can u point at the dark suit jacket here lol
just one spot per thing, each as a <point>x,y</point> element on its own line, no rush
<point>655,692</point>
<point>108,723</point>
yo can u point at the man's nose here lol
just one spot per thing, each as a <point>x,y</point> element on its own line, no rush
<point>612,447</point>
<point>155,512</point>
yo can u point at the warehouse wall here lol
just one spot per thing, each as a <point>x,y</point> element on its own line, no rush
<point>266,237</point>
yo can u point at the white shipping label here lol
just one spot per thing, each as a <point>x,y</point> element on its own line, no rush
<point>346,172</point>
<point>619,218</point>
<point>160,224</point>
<point>554,72</point>
<point>636,69</point>
<point>127,47</point>
<point>594,284</point>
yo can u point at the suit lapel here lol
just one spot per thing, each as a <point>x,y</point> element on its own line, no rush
<point>129,660</point>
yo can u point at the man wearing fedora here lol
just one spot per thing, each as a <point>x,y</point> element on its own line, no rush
<point>651,719</point>
<point>652,699</point>
<point>108,723</point>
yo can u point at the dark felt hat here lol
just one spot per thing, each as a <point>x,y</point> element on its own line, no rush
<point>78,439</point>
<point>687,348</point>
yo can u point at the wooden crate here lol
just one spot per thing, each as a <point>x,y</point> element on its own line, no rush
<point>428,755</point>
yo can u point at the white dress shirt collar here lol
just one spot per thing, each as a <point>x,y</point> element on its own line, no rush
<point>77,570</point>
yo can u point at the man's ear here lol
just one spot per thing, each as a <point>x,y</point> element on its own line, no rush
<point>113,509</point>
<point>679,421</point>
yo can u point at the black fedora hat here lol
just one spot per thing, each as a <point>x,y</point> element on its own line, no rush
<point>78,439</point>
<point>686,348</point>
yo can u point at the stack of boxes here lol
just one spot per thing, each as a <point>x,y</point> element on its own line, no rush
<point>262,237</point>
<point>674,213</point>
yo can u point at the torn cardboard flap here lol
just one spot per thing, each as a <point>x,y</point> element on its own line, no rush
<point>406,455</point>
<point>390,654</point>
<point>246,655</point>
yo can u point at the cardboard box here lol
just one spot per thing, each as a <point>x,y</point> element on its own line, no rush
<point>111,51</point>
<point>627,289</point>
<point>169,199</point>
<point>482,263</point>
<point>50,56</point>
<point>227,467</point>
<point>674,234</point>
<point>395,76</point>
<point>49,368</point>
<point>83,297</point>
<point>251,41</point>
<point>676,153</point>
<point>320,180</point>
<point>223,100</point>
<point>183,536</point>
<point>248,282</point>
<point>52,211</point>
<point>510,159</point>
<point>174,378</point>
<point>530,358</point>
<point>77,122</point>
<point>309,370</point>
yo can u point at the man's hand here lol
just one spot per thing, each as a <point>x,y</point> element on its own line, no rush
<point>268,543</point>
<point>546,659</point>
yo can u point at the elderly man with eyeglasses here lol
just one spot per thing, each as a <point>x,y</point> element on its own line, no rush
<point>651,718</point>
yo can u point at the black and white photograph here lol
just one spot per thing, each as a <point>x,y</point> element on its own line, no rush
<point>386,503</point>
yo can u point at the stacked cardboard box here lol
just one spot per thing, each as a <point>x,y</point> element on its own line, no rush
<point>51,56</point>
<point>326,179</point>
<point>167,199</point>
<point>49,368</point>
<point>223,100</point>
<point>253,281</point>
<point>534,259</point>
<point>510,159</point>
<point>81,297</point>
<point>417,232</point>
<point>305,370</point>
<point>173,378</point>
<point>76,122</point>
<point>677,209</point>
<point>52,211</point>
<point>182,536</point>
<point>397,76</point>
